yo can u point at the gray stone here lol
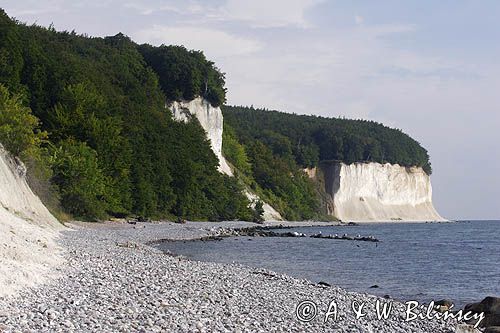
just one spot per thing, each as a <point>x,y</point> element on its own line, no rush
<point>492,329</point>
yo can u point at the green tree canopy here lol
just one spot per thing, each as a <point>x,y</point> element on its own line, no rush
<point>19,129</point>
<point>313,138</point>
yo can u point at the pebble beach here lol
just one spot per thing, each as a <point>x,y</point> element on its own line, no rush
<point>113,280</point>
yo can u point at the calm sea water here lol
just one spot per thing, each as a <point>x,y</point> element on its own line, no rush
<point>459,261</point>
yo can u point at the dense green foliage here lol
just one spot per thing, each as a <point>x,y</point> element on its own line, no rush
<point>234,151</point>
<point>283,184</point>
<point>114,149</point>
<point>310,139</point>
<point>83,187</point>
<point>275,177</point>
<point>18,127</point>
<point>185,74</point>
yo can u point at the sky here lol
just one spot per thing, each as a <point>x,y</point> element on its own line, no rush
<point>430,68</point>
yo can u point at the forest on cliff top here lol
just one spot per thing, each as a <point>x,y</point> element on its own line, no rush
<point>88,117</point>
<point>310,139</point>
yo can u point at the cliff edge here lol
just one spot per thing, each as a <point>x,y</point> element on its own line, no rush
<point>376,192</point>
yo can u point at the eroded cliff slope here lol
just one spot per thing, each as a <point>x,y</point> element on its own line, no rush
<point>210,119</point>
<point>27,230</point>
<point>376,192</point>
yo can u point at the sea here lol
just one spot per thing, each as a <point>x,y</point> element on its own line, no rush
<point>459,261</point>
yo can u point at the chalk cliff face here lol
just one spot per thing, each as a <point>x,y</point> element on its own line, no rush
<point>16,196</point>
<point>376,192</point>
<point>212,121</point>
<point>27,230</point>
<point>270,214</point>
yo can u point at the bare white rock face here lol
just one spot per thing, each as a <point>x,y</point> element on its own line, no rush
<point>27,231</point>
<point>378,192</point>
<point>212,121</point>
<point>270,214</point>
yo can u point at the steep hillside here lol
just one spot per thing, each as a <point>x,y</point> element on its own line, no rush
<point>27,230</point>
<point>114,148</point>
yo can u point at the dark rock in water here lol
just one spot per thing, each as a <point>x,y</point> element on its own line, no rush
<point>473,307</point>
<point>492,305</point>
<point>491,308</point>
<point>212,238</point>
<point>489,305</point>
<point>293,234</point>
<point>374,286</point>
<point>346,237</point>
<point>492,329</point>
<point>323,283</point>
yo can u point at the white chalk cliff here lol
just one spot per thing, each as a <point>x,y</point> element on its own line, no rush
<point>376,192</point>
<point>212,121</point>
<point>27,230</point>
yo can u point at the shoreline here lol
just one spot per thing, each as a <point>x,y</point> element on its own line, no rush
<point>113,280</point>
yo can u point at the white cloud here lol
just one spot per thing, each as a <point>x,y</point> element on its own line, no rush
<point>381,30</point>
<point>182,8</point>
<point>33,8</point>
<point>215,43</point>
<point>265,13</point>
<point>142,9</point>
<point>256,13</point>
